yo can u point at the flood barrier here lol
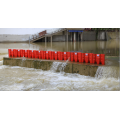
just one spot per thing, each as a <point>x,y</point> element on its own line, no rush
<point>58,55</point>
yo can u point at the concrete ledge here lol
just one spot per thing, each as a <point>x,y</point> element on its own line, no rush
<point>71,67</point>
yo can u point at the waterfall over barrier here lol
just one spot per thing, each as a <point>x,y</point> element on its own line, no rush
<point>58,66</point>
<point>107,72</point>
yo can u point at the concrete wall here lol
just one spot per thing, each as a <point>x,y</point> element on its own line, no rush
<point>112,35</point>
<point>101,36</point>
<point>14,38</point>
<point>82,69</point>
<point>88,35</point>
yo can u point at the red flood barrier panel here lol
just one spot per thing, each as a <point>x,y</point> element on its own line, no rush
<point>36,54</point>
<point>59,55</point>
<point>86,57</point>
<point>39,55</point>
<point>47,55</point>
<point>52,55</point>
<point>80,57</point>
<point>94,59</point>
<point>18,53</point>
<point>72,56</point>
<point>91,57</point>
<point>14,52</point>
<point>103,59</point>
<point>56,55</point>
<point>44,53</point>
<point>11,52</point>
<point>68,56</point>
<point>65,56</point>
<point>30,53</point>
<point>83,57</point>
<point>21,53</point>
<point>98,58</point>
<point>62,56</point>
<point>75,56</point>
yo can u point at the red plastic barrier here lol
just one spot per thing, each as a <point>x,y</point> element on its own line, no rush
<point>14,52</point>
<point>68,56</point>
<point>56,55</point>
<point>72,56</point>
<point>36,54</point>
<point>91,57</point>
<point>98,58</point>
<point>47,55</point>
<point>21,53</point>
<point>33,53</point>
<point>59,55</point>
<point>30,53</point>
<point>86,57</point>
<point>44,54</point>
<point>9,52</point>
<point>52,55</point>
<point>25,53</point>
<point>103,59</point>
<point>79,56</point>
<point>65,56</point>
<point>83,57</point>
<point>94,59</point>
<point>75,56</point>
<point>18,53</point>
<point>39,54</point>
<point>62,55</point>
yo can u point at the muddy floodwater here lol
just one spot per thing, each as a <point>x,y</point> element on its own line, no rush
<point>29,79</point>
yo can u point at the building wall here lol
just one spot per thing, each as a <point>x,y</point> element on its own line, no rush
<point>101,36</point>
<point>88,35</point>
<point>14,38</point>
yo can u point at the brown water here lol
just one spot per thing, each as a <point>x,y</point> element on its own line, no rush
<point>18,78</point>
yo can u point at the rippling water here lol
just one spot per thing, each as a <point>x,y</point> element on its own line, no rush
<point>20,78</point>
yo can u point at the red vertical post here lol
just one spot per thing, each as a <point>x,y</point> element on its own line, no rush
<point>65,56</point>
<point>47,55</point>
<point>75,56</point>
<point>72,56</point>
<point>44,53</point>
<point>34,53</point>
<point>18,53</point>
<point>91,57</point>
<point>79,56</point>
<point>11,52</point>
<point>103,59</point>
<point>98,58</point>
<point>56,55</point>
<point>86,57</point>
<point>94,59</point>
<point>14,52</point>
<point>39,55</point>
<point>83,57</point>
<point>30,53</point>
<point>21,53</point>
<point>68,56</point>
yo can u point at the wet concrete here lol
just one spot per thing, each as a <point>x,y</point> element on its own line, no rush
<point>70,67</point>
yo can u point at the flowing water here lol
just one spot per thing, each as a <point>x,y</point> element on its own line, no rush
<point>21,78</point>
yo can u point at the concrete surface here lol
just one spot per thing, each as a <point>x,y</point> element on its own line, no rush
<point>71,67</point>
<point>14,38</point>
